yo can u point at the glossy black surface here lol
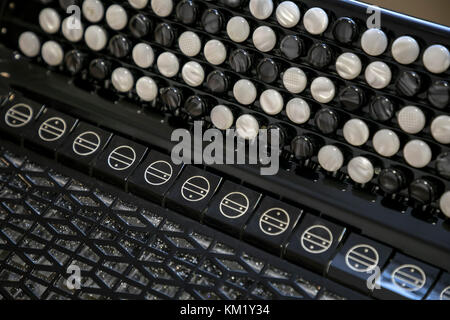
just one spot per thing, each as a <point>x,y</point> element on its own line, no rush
<point>267,70</point>
<point>345,30</point>
<point>326,120</point>
<point>119,46</point>
<point>172,99</point>
<point>320,55</point>
<point>303,147</point>
<point>187,11</point>
<point>352,98</point>
<point>74,61</point>
<point>139,25</point>
<point>99,69</point>
<point>212,21</point>
<point>217,82</point>
<point>240,60</point>
<point>194,107</point>
<point>443,165</point>
<point>381,109</point>
<point>422,191</point>
<point>408,83</point>
<point>439,94</point>
<point>391,180</point>
<point>164,34</point>
<point>292,47</point>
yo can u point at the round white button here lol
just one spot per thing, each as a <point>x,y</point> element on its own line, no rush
<point>162,8</point>
<point>143,55</point>
<point>440,129</point>
<point>323,90</point>
<point>116,17</point>
<point>405,50</point>
<point>29,44</point>
<point>247,127</point>
<point>298,111</point>
<point>95,37</point>
<point>93,10</point>
<point>444,204</point>
<point>386,143</point>
<point>193,73</point>
<point>52,53</point>
<point>378,75</point>
<point>411,119</point>
<point>189,43</point>
<point>168,64</point>
<point>238,29</point>
<point>356,132</point>
<point>49,20</point>
<point>374,42</point>
<point>288,14</point>
<point>146,89</point>
<point>315,21</point>
<point>264,39</point>
<point>72,29</point>
<point>244,92</point>
<point>436,59</point>
<point>138,4</point>
<point>222,117</point>
<point>330,158</point>
<point>271,102</point>
<point>261,9</point>
<point>122,79</point>
<point>360,170</point>
<point>348,66</point>
<point>215,52</point>
<point>294,80</point>
<point>417,154</point>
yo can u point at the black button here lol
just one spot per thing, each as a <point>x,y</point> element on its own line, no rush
<point>187,12</point>
<point>320,55</point>
<point>119,160</point>
<point>345,30</point>
<point>272,224</point>
<point>443,165</point>
<point>99,69</point>
<point>212,21</point>
<point>391,180</point>
<point>292,47</point>
<point>154,176</point>
<point>352,98</point>
<point>381,109</point>
<point>358,260</point>
<point>192,192</point>
<point>439,94</point>
<point>74,61</point>
<point>240,60</point>
<point>422,191</point>
<point>314,242</point>
<point>139,25</point>
<point>303,147</point>
<point>267,70</point>
<point>164,35</point>
<point>217,82</point>
<point>408,83</point>
<point>405,278</point>
<point>441,290</point>
<point>326,120</point>
<point>282,136</point>
<point>194,107</point>
<point>119,46</point>
<point>232,3</point>
<point>171,98</point>
<point>231,207</point>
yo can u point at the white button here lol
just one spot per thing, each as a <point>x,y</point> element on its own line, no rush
<point>360,170</point>
<point>29,44</point>
<point>440,129</point>
<point>294,80</point>
<point>378,75</point>
<point>244,92</point>
<point>95,37</point>
<point>444,204</point>
<point>348,66</point>
<point>122,79</point>
<point>146,89</point>
<point>143,55</point>
<point>247,127</point>
<point>261,9</point>
<point>315,21</point>
<point>330,158</point>
<point>215,52</point>
<point>49,20</point>
<point>193,73</point>
<point>405,50</point>
<point>323,90</point>
<point>138,4</point>
<point>189,43</point>
<point>162,8</point>
<point>116,17</point>
<point>298,111</point>
<point>72,29</point>
<point>271,102</point>
<point>374,42</point>
<point>168,64</point>
<point>288,14</point>
<point>436,59</point>
<point>52,53</point>
<point>386,143</point>
<point>411,119</point>
<point>93,10</point>
<point>356,132</point>
<point>417,154</point>
<point>222,117</point>
<point>238,29</point>
<point>264,39</point>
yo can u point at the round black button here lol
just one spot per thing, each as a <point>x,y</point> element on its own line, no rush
<point>240,60</point>
<point>139,25</point>
<point>408,83</point>
<point>194,107</point>
<point>381,109</point>
<point>352,98</point>
<point>422,191</point>
<point>74,61</point>
<point>187,12</point>
<point>99,69</point>
<point>303,147</point>
<point>217,82</point>
<point>292,47</point>
<point>119,46</point>
<point>164,35</point>
<point>320,55</point>
<point>212,21</point>
<point>391,180</point>
<point>443,165</point>
<point>345,30</point>
<point>232,3</point>
<point>171,98</point>
<point>326,120</point>
<point>267,70</point>
<point>439,94</point>
<point>281,135</point>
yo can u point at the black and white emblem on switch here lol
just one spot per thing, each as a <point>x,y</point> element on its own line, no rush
<point>362,258</point>
<point>19,115</point>
<point>316,239</point>
<point>274,221</point>
<point>158,173</point>
<point>409,277</point>
<point>52,129</point>
<point>195,189</point>
<point>122,158</point>
<point>234,205</point>
<point>86,143</point>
